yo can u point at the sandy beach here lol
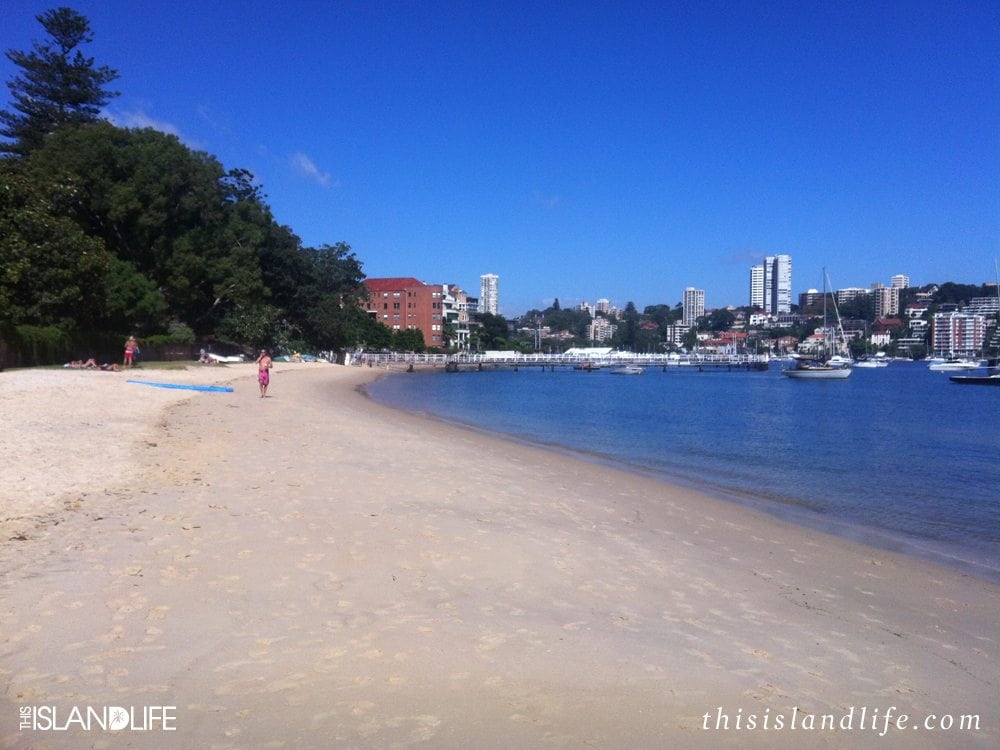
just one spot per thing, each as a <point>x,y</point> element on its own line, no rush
<point>314,570</point>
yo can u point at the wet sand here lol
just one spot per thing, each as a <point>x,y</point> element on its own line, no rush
<point>316,570</point>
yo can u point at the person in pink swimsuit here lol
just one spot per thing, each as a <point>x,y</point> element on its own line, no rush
<point>264,371</point>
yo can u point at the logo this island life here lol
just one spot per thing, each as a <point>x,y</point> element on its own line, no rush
<point>102,718</point>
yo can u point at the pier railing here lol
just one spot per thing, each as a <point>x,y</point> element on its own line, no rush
<point>511,359</point>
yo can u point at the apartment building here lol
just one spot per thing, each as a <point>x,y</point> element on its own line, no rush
<point>958,333</point>
<point>771,284</point>
<point>757,288</point>
<point>489,293</point>
<point>403,303</point>
<point>850,293</point>
<point>601,329</point>
<point>886,300</point>
<point>694,306</point>
<point>900,281</point>
<point>458,309</point>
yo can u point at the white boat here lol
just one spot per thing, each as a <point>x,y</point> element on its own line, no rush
<point>872,363</point>
<point>827,367</point>
<point>840,361</point>
<point>814,370</point>
<point>627,370</point>
<point>953,364</point>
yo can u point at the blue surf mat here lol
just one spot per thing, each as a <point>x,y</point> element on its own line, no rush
<point>213,388</point>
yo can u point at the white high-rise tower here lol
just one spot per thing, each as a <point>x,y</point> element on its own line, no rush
<point>757,288</point>
<point>776,292</point>
<point>489,293</point>
<point>694,306</point>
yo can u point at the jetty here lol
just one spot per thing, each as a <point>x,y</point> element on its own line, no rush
<point>484,361</point>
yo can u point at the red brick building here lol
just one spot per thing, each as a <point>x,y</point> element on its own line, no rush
<point>404,303</point>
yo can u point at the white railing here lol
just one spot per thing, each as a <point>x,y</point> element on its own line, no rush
<point>377,359</point>
<point>381,359</point>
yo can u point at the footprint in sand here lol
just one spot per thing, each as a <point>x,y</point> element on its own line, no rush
<point>157,613</point>
<point>491,642</point>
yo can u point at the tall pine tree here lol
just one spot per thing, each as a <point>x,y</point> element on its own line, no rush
<point>57,85</point>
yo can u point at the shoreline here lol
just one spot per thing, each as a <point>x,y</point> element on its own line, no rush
<point>786,509</point>
<point>317,569</point>
<point>876,539</point>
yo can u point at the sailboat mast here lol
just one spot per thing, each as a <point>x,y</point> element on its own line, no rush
<point>836,309</point>
<point>826,332</point>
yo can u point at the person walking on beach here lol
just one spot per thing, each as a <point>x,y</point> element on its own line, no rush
<point>131,345</point>
<point>263,371</point>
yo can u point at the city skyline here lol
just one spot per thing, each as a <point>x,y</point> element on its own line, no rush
<point>896,282</point>
<point>627,150</point>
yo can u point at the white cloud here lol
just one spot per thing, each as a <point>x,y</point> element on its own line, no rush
<point>305,167</point>
<point>140,120</point>
<point>208,116</point>
<point>546,201</point>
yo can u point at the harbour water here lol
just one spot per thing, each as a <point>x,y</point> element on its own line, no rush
<point>896,457</point>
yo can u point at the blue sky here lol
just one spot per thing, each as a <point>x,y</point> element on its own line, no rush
<point>586,149</point>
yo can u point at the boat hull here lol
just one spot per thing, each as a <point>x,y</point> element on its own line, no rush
<point>976,379</point>
<point>954,366</point>
<point>818,373</point>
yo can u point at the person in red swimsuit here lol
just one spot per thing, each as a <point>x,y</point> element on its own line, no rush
<point>130,346</point>
<point>264,371</point>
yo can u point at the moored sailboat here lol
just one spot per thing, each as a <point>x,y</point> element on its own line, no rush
<point>830,365</point>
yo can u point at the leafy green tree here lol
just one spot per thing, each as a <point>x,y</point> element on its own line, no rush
<point>373,336</point>
<point>50,271</point>
<point>492,331</point>
<point>334,287</point>
<point>626,336</point>
<point>662,314</point>
<point>132,300</point>
<point>257,325</point>
<point>690,340</point>
<point>861,307</point>
<point>408,340</point>
<point>720,319</point>
<point>567,319</point>
<point>648,339</point>
<point>952,293</point>
<point>160,208</point>
<point>57,85</point>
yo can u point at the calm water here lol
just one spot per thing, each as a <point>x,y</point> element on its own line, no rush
<point>898,457</point>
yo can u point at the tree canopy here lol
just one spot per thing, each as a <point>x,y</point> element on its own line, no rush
<point>130,230</point>
<point>108,229</point>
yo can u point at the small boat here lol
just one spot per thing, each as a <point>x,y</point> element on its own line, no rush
<point>587,366</point>
<point>953,364</point>
<point>976,379</point>
<point>816,370</point>
<point>627,370</point>
<point>871,363</point>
